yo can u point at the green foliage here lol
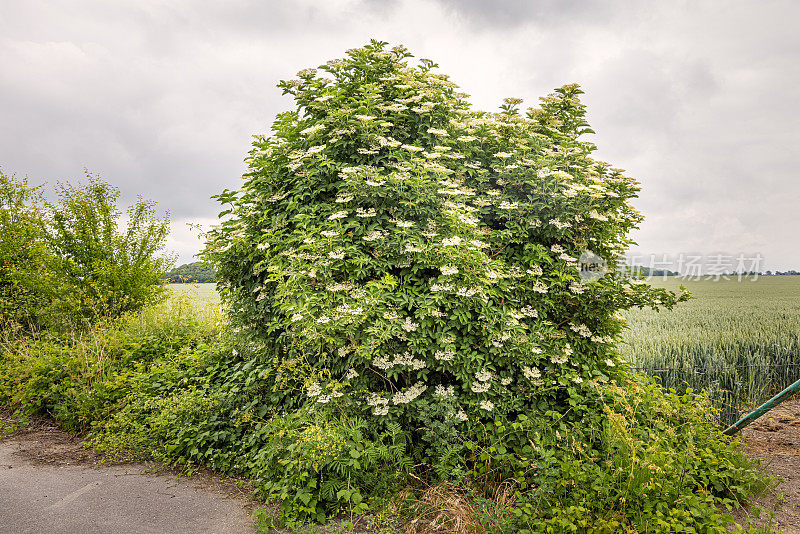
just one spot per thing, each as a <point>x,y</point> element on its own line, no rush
<point>167,383</point>
<point>197,272</point>
<point>27,285</point>
<point>106,272</point>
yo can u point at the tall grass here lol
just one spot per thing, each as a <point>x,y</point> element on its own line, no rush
<point>740,341</point>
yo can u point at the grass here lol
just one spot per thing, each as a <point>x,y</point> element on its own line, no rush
<point>203,293</point>
<point>738,340</point>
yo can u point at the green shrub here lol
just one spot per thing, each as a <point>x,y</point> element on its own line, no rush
<point>27,266</point>
<point>105,272</point>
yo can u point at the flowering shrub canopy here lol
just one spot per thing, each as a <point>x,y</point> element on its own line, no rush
<point>392,249</point>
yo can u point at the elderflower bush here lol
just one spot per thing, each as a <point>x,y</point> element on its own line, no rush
<point>393,249</point>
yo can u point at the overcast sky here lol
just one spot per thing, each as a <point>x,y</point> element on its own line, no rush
<point>697,100</point>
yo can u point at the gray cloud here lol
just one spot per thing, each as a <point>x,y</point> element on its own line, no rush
<point>161,99</point>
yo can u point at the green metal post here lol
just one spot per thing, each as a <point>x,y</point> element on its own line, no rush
<point>764,408</point>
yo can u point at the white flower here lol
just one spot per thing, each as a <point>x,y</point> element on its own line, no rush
<point>503,155</point>
<point>557,248</point>
<point>448,270</point>
<point>324,399</point>
<point>296,317</point>
<point>380,410</point>
<point>404,397</point>
<point>577,288</point>
<point>338,215</point>
<point>412,248</point>
<point>535,270</point>
<point>480,387</point>
<point>467,138</point>
<point>262,246</point>
<point>341,199</point>
<point>483,376</point>
<point>413,148</point>
<point>329,233</point>
<point>444,355</point>
<point>444,392</point>
<point>487,405</point>
<point>505,205</point>
<point>315,149</point>
<point>506,381</point>
<point>364,117</point>
<point>323,319</point>
<point>452,241</point>
<point>314,390</point>
<point>361,212</point>
<point>375,235</point>
<point>527,311</point>
<point>577,380</point>
<point>409,326</point>
<point>403,224</point>
<point>436,131</point>
<point>351,373</point>
<point>336,255</point>
<point>313,129</point>
<point>531,373</point>
<point>461,416</point>
<point>609,363</point>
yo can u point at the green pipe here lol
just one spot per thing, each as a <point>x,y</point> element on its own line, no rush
<point>764,408</point>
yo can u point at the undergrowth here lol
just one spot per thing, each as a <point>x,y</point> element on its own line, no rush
<point>171,384</point>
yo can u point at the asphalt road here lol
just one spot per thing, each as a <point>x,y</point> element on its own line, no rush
<point>78,499</point>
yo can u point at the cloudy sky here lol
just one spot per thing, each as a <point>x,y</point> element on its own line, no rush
<point>698,100</point>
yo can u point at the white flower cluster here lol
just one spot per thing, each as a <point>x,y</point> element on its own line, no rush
<point>528,311</point>
<point>374,235</point>
<point>379,405</point>
<point>337,215</point>
<point>411,248</point>
<point>338,286</point>
<point>577,288</point>
<point>483,376</point>
<point>487,405</point>
<point>409,326</point>
<point>580,329</point>
<point>444,392</point>
<point>351,374</point>
<point>343,198</point>
<point>361,212</point>
<point>404,397</point>
<point>451,241</point>
<point>506,205</point>
<point>534,270</point>
<point>539,287</point>
<point>445,355</point>
<point>336,254</point>
<point>311,130</point>
<point>448,270</point>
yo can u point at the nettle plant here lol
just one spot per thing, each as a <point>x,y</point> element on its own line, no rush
<point>398,254</point>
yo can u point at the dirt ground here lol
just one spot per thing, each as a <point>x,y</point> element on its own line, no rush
<point>775,438</point>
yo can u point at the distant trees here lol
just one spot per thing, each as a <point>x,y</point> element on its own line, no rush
<point>68,262</point>
<point>197,272</point>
